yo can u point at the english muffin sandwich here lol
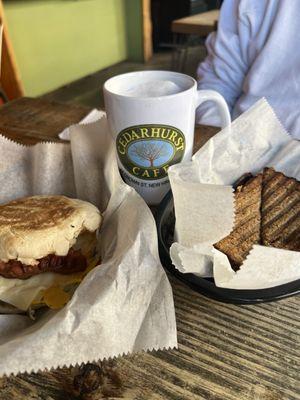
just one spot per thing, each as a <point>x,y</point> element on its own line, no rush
<point>47,243</point>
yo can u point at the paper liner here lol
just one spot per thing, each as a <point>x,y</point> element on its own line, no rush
<point>257,269</point>
<point>197,260</point>
<point>204,202</point>
<point>95,360</point>
<point>125,305</point>
<point>92,116</point>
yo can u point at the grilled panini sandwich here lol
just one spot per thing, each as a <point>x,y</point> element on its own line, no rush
<point>280,211</point>
<point>267,212</point>
<point>246,231</point>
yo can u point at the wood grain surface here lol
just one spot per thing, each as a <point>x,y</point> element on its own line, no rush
<point>10,75</point>
<point>225,351</point>
<point>29,121</point>
<point>201,24</point>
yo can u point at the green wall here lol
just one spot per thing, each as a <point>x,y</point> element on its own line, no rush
<point>58,41</point>
<point>133,10</point>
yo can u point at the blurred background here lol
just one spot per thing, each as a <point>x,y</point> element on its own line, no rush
<point>64,50</point>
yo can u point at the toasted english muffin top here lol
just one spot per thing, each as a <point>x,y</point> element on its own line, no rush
<point>33,227</point>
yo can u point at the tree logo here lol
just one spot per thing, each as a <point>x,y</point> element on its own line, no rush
<point>147,151</point>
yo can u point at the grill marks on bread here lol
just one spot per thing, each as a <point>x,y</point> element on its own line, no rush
<point>31,228</point>
<point>280,211</point>
<point>37,212</point>
<point>267,212</point>
<point>246,231</point>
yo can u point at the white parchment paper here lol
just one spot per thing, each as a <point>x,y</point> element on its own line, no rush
<point>125,304</point>
<point>204,201</point>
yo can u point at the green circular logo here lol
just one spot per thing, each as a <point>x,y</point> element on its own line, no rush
<point>147,151</point>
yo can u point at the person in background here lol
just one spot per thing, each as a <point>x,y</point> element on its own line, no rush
<point>255,53</point>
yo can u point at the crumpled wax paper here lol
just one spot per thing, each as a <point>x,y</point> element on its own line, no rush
<point>123,305</point>
<point>204,200</point>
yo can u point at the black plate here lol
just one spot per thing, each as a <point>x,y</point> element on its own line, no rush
<point>165,220</point>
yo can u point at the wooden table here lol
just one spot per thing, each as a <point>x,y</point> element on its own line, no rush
<point>190,31</point>
<point>199,24</point>
<point>225,351</point>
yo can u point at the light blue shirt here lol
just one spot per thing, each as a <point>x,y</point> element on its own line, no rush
<point>255,53</point>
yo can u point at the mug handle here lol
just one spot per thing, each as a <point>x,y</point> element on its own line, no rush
<point>212,95</point>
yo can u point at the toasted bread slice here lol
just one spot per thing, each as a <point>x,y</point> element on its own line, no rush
<point>280,211</point>
<point>246,231</point>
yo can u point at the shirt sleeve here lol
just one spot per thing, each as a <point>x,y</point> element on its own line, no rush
<point>226,64</point>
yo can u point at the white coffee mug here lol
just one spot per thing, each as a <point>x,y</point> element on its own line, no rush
<point>152,117</point>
